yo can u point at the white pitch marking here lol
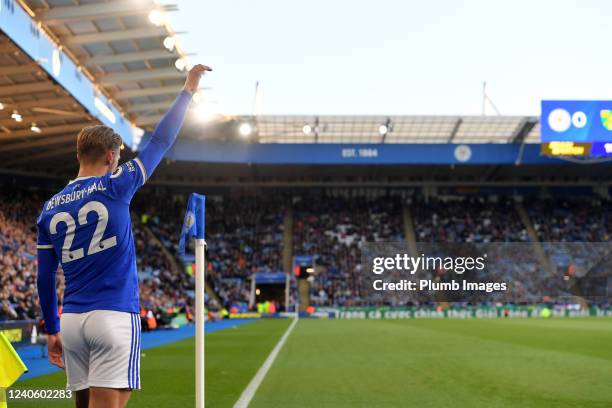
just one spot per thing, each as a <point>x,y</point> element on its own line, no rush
<point>249,391</point>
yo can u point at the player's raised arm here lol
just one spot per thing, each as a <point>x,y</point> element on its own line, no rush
<point>168,127</point>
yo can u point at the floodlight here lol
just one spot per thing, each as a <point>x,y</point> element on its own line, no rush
<point>245,129</point>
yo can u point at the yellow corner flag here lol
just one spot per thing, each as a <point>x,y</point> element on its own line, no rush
<point>11,367</point>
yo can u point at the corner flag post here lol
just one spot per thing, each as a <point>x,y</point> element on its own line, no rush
<point>200,249</point>
<point>194,225</point>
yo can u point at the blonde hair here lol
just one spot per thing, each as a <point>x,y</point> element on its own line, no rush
<point>94,141</point>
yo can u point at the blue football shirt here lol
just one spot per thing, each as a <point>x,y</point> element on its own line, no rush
<point>87,228</point>
<point>88,225</point>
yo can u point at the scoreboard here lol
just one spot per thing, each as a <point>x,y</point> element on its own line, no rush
<point>576,128</point>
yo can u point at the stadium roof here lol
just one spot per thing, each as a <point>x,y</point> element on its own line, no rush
<point>120,49</point>
<point>39,119</point>
<point>112,68</point>
<point>373,129</point>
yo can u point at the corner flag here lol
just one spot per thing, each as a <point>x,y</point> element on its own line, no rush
<point>11,367</point>
<point>193,226</point>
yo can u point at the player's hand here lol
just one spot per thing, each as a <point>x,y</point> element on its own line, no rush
<point>54,346</point>
<point>193,77</point>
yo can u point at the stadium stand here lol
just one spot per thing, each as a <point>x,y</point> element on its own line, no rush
<point>245,237</point>
<point>468,219</point>
<point>332,228</point>
<point>17,260</point>
<point>587,219</point>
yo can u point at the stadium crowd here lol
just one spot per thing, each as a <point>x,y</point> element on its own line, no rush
<point>332,228</point>
<point>467,219</point>
<point>588,219</point>
<point>245,235</point>
<point>18,211</point>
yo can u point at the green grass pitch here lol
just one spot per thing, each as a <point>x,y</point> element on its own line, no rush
<point>389,363</point>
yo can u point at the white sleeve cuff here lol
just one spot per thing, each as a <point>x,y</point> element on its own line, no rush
<point>142,169</point>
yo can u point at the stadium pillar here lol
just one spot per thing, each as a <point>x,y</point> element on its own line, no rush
<point>200,249</point>
<point>304,294</point>
<point>288,254</point>
<point>409,234</point>
<point>535,241</point>
<point>287,291</point>
<point>253,288</point>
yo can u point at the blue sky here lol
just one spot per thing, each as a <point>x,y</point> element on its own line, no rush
<point>398,57</point>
